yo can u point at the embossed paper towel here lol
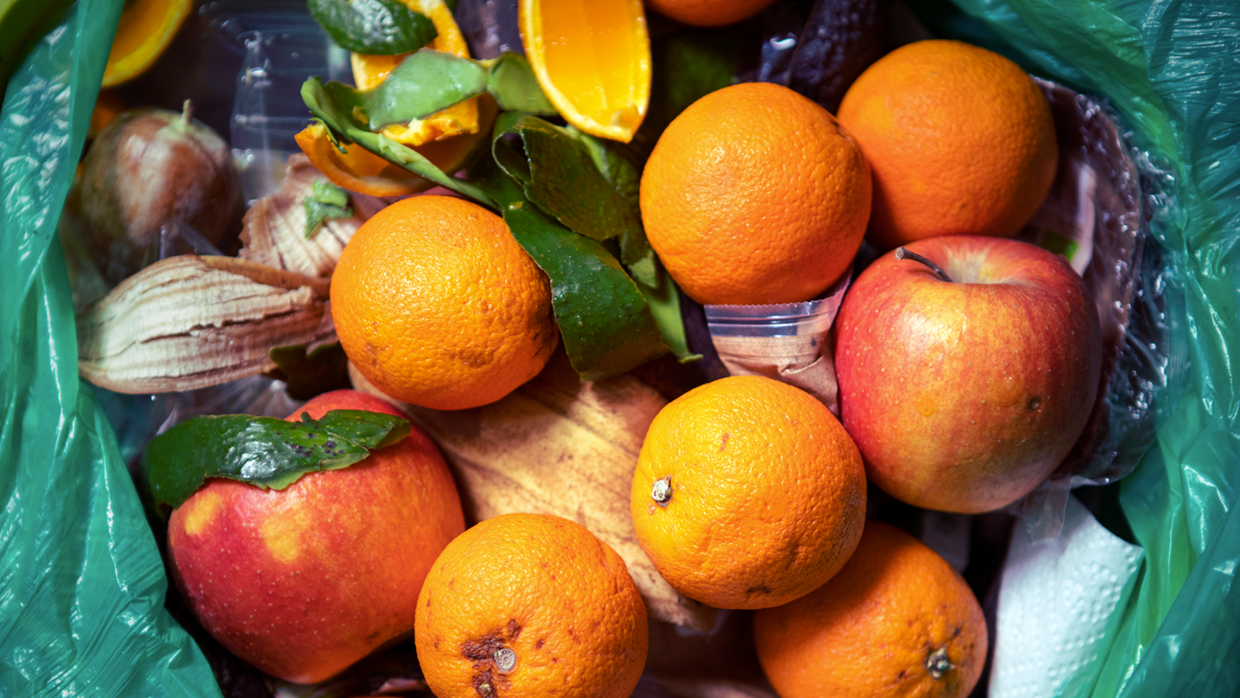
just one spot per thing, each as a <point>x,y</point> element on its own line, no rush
<point>1058,602</point>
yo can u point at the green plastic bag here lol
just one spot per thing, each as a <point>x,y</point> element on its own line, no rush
<point>1172,72</point>
<point>81,582</point>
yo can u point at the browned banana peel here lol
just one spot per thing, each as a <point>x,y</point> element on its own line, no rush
<point>189,322</point>
<point>275,226</point>
<point>579,466</point>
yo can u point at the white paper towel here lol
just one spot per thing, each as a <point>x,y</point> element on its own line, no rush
<point>1058,601</point>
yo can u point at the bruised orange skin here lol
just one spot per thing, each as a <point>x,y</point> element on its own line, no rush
<point>305,581</point>
<point>964,396</point>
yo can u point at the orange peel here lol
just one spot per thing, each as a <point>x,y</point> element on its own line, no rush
<point>146,29</point>
<point>360,170</point>
<point>592,59</point>
<point>370,71</point>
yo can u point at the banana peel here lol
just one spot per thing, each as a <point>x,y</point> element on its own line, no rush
<point>559,446</point>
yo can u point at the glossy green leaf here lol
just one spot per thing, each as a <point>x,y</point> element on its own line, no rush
<point>333,104</point>
<point>261,451</point>
<point>565,175</point>
<point>512,83</point>
<point>308,374</point>
<point>377,27</point>
<point>424,83</point>
<point>604,320</point>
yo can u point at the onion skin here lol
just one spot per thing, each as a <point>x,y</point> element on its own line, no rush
<point>149,168</point>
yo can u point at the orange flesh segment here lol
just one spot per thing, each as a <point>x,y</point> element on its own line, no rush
<point>369,71</point>
<point>592,58</point>
<point>145,30</point>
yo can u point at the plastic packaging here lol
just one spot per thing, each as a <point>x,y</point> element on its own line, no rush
<point>81,582</point>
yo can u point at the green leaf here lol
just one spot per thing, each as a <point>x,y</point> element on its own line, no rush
<point>604,320</point>
<point>378,27</point>
<point>334,103</point>
<point>424,83</point>
<point>664,302</point>
<point>326,201</point>
<point>261,451</point>
<point>512,83</point>
<point>563,173</point>
<point>306,375</point>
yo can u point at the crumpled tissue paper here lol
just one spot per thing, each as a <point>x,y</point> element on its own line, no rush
<point>1058,601</point>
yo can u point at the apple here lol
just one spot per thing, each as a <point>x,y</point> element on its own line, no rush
<point>305,581</point>
<point>967,368</point>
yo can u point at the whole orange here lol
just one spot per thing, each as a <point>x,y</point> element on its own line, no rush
<point>437,305</point>
<point>896,621</point>
<point>305,581</point>
<point>530,605</point>
<point>748,493</point>
<point>960,141</point>
<point>708,13</point>
<point>754,194</point>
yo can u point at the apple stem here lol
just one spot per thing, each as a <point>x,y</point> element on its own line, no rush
<point>187,112</point>
<point>902,253</point>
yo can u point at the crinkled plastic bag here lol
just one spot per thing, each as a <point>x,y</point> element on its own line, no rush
<point>81,582</point>
<point>1172,71</point>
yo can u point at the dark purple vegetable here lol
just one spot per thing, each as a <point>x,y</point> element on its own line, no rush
<point>840,40</point>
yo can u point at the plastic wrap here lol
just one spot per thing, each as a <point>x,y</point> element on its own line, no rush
<point>1172,72</point>
<point>81,582</point>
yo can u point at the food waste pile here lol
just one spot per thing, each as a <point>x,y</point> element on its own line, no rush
<point>604,348</point>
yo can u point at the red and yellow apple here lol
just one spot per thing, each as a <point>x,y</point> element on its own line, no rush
<point>965,389</point>
<point>305,581</point>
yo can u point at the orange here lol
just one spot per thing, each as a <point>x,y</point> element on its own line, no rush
<point>754,194</point>
<point>359,170</point>
<point>896,621</point>
<point>708,13</point>
<point>592,60</point>
<point>437,305</point>
<point>960,141</point>
<point>145,31</point>
<point>369,71</point>
<point>305,581</point>
<point>530,606</point>
<point>748,493</point>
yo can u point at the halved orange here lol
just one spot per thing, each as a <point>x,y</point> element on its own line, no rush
<point>369,71</point>
<point>145,30</point>
<point>364,172</point>
<point>592,59</point>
